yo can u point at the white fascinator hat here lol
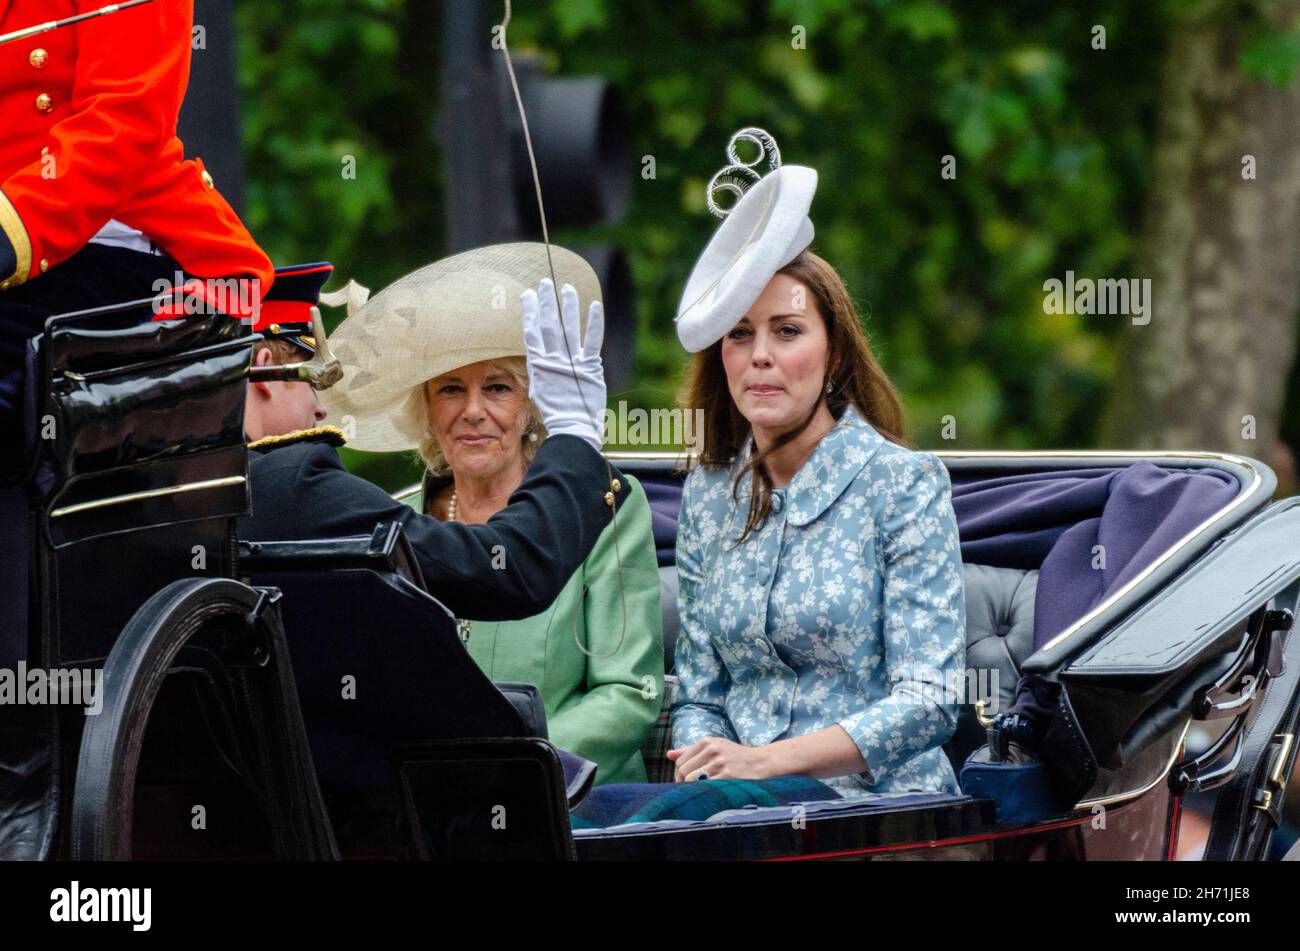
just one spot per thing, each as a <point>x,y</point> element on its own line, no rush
<point>766,229</point>
<point>454,312</point>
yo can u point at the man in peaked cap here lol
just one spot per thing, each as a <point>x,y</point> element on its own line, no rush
<point>284,320</point>
<point>300,489</point>
<point>285,314</point>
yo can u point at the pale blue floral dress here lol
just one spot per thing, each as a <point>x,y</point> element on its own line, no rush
<point>846,607</point>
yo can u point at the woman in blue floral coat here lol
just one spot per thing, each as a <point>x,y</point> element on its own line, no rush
<point>820,579</point>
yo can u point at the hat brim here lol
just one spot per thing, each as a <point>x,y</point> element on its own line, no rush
<point>766,230</point>
<point>461,310</point>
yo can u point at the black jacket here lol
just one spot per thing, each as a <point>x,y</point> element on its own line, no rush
<point>300,490</point>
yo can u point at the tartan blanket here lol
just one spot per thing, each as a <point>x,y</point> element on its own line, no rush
<point>621,803</point>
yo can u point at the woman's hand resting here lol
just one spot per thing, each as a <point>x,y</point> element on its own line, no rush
<point>721,759</point>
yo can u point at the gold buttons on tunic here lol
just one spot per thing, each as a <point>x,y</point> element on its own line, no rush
<point>44,103</point>
<point>207,179</point>
<point>38,58</point>
<point>616,486</point>
<point>609,499</point>
<point>45,265</point>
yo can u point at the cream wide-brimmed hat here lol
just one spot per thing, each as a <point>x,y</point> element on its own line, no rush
<point>449,314</point>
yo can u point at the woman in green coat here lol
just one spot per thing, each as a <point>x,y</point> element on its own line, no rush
<point>601,680</point>
<point>459,395</point>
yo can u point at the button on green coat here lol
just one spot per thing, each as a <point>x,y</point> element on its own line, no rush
<point>601,704</point>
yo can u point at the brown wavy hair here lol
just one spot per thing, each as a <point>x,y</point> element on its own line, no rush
<point>856,376</point>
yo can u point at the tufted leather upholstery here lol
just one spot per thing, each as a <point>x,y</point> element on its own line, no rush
<point>668,605</point>
<point>999,638</point>
<point>1000,623</point>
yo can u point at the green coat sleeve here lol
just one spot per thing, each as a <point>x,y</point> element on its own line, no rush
<point>624,680</point>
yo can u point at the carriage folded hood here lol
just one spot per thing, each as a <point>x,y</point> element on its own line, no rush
<point>1088,531</point>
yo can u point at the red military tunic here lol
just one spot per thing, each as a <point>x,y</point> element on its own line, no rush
<point>89,135</point>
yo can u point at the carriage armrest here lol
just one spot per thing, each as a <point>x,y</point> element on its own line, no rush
<point>579,773</point>
<point>527,700</point>
<point>386,549</point>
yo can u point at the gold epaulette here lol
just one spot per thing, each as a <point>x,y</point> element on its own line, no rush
<point>11,225</point>
<point>330,435</point>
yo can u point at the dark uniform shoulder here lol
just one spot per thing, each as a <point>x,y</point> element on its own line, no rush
<point>317,435</point>
<point>284,470</point>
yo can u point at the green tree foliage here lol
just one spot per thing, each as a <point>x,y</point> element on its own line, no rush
<point>1050,137</point>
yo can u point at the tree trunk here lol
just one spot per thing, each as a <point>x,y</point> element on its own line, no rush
<point>1223,255</point>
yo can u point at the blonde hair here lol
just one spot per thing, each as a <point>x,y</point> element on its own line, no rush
<point>413,420</point>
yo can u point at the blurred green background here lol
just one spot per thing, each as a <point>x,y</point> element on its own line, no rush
<point>1052,142</point>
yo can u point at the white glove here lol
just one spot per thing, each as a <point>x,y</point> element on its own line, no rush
<point>566,384</point>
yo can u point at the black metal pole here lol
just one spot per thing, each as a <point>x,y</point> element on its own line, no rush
<point>209,123</point>
<point>473,131</point>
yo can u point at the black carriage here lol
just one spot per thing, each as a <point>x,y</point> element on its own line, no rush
<point>312,699</point>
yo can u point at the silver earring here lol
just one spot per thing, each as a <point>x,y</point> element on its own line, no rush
<point>828,387</point>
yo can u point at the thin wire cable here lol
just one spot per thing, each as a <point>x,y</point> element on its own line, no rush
<point>555,288</point>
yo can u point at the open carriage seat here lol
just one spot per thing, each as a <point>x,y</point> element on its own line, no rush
<point>1057,548</point>
<point>419,754</point>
